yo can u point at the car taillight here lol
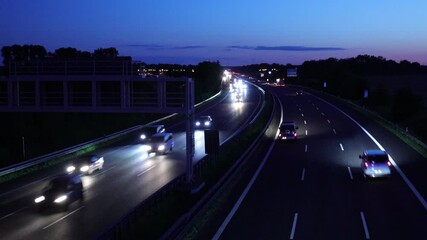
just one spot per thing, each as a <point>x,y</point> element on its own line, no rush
<point>366,164</point>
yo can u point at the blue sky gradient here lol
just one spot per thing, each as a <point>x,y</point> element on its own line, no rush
<point>237,32</point>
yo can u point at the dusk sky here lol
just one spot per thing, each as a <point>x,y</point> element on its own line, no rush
<point>234,32</point>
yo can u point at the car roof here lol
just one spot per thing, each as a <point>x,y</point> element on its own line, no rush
<point>375,152</point>
<point>205,116</point>
<point>65,176</point>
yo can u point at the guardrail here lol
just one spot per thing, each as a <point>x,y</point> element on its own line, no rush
<point>63,152</point>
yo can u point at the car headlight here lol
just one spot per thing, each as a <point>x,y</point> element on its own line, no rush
<point>71,168</point>
<point>207,123</point>
<point>197,123</point>
<point>39,199</point>
<point>161,147</point>
<point>143,136</point>
<point>61,199</point>
<point>84,168</point>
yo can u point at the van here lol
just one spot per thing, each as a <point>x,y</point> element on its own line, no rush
<point>161,143</point>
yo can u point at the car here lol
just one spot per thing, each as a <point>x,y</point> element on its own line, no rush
<point>298,93</point>
<point>161,143</point>
<point>288,130</point>
<point>375,163</point>
<point>86,164</point>
<point>148,131</point>
<point>203,122</point>
<point>61,191</point>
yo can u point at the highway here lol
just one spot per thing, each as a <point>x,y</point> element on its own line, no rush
<point>129,176</point>
<point>313,188</point>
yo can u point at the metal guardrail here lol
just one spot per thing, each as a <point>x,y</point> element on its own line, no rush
<point>47,157</point>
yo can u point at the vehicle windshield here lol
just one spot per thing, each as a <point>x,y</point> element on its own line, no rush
<point>157,139</point>
<point>204,118</point>
<point>287,128</point>
<point>149,130</point>
<point>377,158</point>
<point>59,183</point>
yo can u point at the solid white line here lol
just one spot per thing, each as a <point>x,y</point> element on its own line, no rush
<point>294,226</point>
<point>365,226</point>
<point>342,148</point>
<point>146,170</point>
<point>63,217</point>
<point>303,174</point>
<point>349,172</point>
<point>305,122</point>
<point>10,214</point>
<point>410,185</point>
<point>306,148</point>
<point>248,187</point>
<point>334,131</point>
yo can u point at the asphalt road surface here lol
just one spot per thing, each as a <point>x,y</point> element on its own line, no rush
<point>313,188</point>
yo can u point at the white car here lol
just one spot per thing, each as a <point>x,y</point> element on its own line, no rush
<point>86,164</point>
<point>375,163</point>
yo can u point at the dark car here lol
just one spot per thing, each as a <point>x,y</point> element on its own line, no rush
<point>299,93</point>
<point>86,164</point>
<point>203,122</point>
<point>288,130</point>
<point>61,191</point>
<point>148,131</point>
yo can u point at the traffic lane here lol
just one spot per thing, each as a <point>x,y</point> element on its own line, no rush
<point>384,206</point>
<point>266,211</point>
<point>412,164</point>
<point>103,204</point>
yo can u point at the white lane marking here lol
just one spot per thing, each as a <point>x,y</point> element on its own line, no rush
<point>302,114</point>
<point>334,131</point>
<point>146,170</point>
<point>349,172</point>
<point>342,148</point>
<point>328,121</point>
<point>10,214</point>
<point>323,114</point>
<point>299,109</point>
<point>245,192</point>
<point>305,122</point>
<point>365,226</point>
<point>294,224</point>
<point>63,217</point>
<point>306,132</point>
<point>317,108</point>
<point>306,148</point>
<point>303,174</point>
<point>410,185</point>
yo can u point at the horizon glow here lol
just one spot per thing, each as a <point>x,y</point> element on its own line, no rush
<point>231,32</point>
